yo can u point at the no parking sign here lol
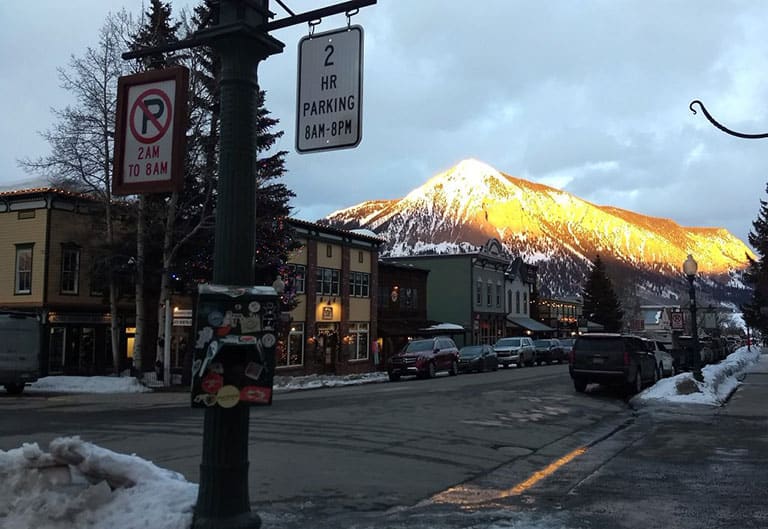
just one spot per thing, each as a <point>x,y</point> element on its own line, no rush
<point>150,135</point>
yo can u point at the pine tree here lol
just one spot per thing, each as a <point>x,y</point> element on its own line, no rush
<point>757,273</point>
<point>274,238</point>
<point>600,302</point>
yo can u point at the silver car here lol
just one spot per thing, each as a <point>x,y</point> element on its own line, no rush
<point>664,361</point>
<point>515,350</point>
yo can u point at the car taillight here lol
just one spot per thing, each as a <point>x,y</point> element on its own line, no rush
<point>626,358</point>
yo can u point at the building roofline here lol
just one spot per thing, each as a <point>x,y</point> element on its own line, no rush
<point>335,231</point>
<point>36,191</point>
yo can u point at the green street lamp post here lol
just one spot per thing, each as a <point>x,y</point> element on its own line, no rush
<point>689,269</point>
<point>241,37</point>
<point>223,499</point>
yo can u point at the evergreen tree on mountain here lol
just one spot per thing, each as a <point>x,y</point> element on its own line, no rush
<point>600,302</point>
<point>756,274</point>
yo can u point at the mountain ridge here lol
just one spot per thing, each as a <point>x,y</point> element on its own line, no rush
<point>461,208</point>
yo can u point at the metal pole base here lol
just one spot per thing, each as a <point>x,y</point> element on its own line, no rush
<point>249,520</point>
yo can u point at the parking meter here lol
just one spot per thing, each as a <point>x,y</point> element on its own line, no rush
<point>234,353</point>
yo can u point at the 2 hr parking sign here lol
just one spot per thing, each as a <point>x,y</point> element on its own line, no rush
<point>150,137</point>
<point>330,89</point>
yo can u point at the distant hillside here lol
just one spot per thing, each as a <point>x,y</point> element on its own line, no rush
<point>461,208</point>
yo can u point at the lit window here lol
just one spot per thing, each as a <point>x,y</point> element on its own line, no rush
<point>358,349</point>
<point>291,353</point>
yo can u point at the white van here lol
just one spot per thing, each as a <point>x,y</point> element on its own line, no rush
<point>20,338</point>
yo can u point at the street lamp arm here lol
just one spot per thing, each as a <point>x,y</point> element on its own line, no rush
<point>723,127</point>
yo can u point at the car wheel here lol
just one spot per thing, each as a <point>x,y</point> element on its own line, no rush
<point>14,389</point>
<point>659,374</point>
<point>431,370</point>
<point>580,385</point>
<point>453,371</point>
<point>637,384</point>
<point>393,377</point>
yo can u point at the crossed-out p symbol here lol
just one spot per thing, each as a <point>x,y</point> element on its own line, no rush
<point>150,116</point>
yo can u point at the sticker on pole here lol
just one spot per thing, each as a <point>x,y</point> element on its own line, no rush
<point>150,137</point>
<point>329,101</point>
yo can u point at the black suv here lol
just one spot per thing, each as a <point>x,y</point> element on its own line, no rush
<point>424,358</point>
<point>612,359</point>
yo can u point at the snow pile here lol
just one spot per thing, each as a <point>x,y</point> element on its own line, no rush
<point>81,485</point>
<point>326,381</point>
<point>719,381</point>
<point>88,385</point>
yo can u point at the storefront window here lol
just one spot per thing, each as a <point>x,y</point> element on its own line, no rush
<point>359,341</point>
<point>292,351</point>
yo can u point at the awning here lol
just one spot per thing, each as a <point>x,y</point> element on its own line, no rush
<point>529,323</point>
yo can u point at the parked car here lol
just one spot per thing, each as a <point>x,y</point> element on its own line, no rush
<point>515,350</point>
<point>20,346</point>
<point>567,345</point>
<point>664,361</point>
<point>478,358</point>
<point>549,350</point>
<point>612,359</point>
<point>424,358</point>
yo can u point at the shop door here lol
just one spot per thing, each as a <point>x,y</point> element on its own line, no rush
<point>56,348</point>
<point>328,342</point>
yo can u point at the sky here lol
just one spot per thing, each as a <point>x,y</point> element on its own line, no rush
<point>589,97</point>
<point>43,487</point>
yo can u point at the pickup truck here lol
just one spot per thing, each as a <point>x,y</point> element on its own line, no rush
<point>20,339</point>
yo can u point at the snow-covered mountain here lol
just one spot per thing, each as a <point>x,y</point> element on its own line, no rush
<point>461,208</point>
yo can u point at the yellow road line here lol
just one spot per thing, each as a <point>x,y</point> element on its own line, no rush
<point>543,473</point>
<point>466,495</point>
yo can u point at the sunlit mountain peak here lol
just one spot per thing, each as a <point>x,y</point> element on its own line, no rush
<point>464,206</point>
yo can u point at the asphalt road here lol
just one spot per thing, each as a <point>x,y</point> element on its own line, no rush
<point>517,446</point>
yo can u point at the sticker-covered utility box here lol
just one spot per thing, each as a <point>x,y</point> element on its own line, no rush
<point>234,355</point>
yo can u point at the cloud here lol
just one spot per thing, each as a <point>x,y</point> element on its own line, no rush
<point>589,96</point>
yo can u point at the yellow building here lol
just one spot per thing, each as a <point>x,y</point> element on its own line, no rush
<point>47,255</point>
<point>333,327</point>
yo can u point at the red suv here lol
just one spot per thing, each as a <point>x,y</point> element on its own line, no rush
<point>425,357</point>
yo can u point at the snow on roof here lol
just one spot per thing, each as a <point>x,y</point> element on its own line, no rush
<point>444,327</point>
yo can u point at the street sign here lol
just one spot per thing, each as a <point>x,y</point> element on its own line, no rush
<point>676,321</point>
<point>150,136</point>
<point>330,89</point>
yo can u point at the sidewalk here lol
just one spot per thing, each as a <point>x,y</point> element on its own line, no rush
<point>751,397</point>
